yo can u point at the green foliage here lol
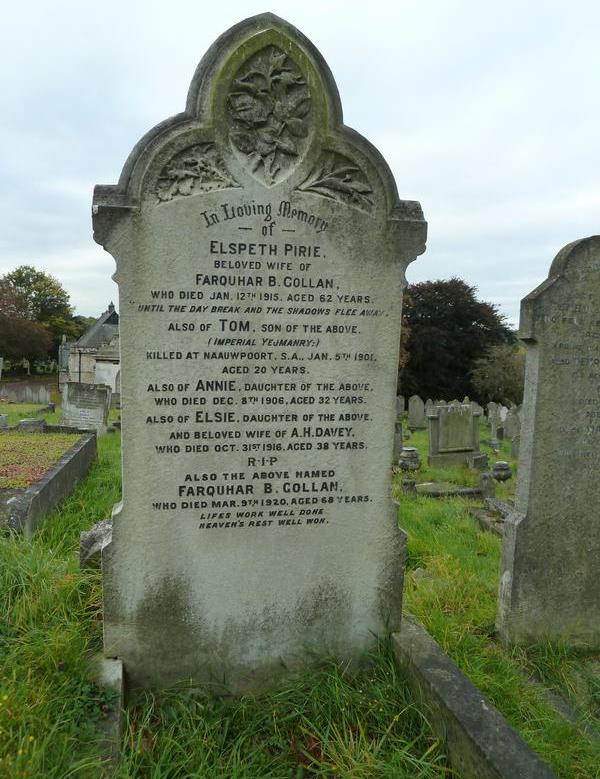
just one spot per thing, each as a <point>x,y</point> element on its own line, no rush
<point>38,304</point>
<point>18,411</point>
<point>454,597</point>
<point>449,329</point>
<point>500,374</point>
<point>325,723</point>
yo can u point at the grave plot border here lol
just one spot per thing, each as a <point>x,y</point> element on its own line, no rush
<point>28,510</point>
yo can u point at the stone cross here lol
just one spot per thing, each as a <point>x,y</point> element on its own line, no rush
<point>260,251</point>
<point>550,573</point>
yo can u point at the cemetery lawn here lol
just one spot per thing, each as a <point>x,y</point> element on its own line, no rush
<point>326,723</point>
<point>18,411</point>
<point>451,585</point>
<point>26,457</point>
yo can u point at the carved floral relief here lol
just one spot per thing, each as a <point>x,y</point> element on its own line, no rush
<point>339,178</point>
<point>198,168</point>
<point>269,109</point>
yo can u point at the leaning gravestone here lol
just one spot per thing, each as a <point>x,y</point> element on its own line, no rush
<point>85,406</point>
<point>551,554</point>
<point>416,413</point>
<point>260,249</point>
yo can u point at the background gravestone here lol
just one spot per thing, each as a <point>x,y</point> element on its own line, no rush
<point>416,413</point>
<point>85,406</point>
<point>260,249</point>
<point>454,436</point>
<point>551,550</point>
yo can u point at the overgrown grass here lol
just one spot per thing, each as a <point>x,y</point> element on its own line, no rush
<point>18,411</point>
<point>326,723</point>
<point>454,596</point>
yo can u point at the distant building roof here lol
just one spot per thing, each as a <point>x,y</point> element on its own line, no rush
<point>104,330</point>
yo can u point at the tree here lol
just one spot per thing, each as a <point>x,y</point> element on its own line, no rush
<point>44,300</point>
<point>449,329</point>
<point>500,374</point>
<point>20,337</point>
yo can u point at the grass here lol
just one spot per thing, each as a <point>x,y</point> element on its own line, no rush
<point>455,598</point>
<point>326,723</point>
<point>18,411</point>
<point>26,457</point>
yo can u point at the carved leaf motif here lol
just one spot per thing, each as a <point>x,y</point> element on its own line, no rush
<point>196,169</point>
<point>338,178</point>
<point>268,106</point>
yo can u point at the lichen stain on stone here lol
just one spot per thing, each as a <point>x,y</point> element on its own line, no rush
<point>324,603</point>
<point>164,624</point>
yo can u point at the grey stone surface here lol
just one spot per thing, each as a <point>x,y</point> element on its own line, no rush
<point>260,249</point>
<point>92,542</point>
<point>409,459</point>
<point>480,742</point>
<point>3,421</point>
<point>501,471</point>
<point>428,406</point>
<point>32,425</point>
<point>550,571</point>
<point>515,446</point>
<point>486,488</point>
<point>28,510</point>
<point>400,405</point>
<point>416,413</point>
<point>398,441</point>
<point>108,674</point>
<point>85,406</point>
<point>24,392</point>
<point>512,423</point>
<point>453,434</point>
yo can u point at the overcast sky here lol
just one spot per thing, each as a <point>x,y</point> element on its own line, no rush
<point>488,114</point>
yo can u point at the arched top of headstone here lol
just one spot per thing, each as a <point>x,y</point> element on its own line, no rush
<point>575,263</point>
<point>263,110</point>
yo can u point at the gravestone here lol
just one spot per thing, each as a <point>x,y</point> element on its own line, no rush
<point>428,406</point>
<point>3,421</point>
<point>416,413</point>
<point>85,406</point>
<point>400,405</point>
<point>512,423</point>
<point>454,436</point>
<point>398,441</point>
<point>515,446</point>
<point>1,365</point>
<point>551,551</point>
<point>260,249</point>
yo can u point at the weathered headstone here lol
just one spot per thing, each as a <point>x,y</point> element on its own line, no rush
<point>398,441</point>
<point>1,365</point>
<point>512,423</point>
<point>260,249</point>
<point>550,572</point>
<point>400,405</point>
<point>428,406</point>
<point>3,421</point>
<point>416,413</point>
<point>85,406</point>
<point>515,446</point>
<point>454,436</point>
